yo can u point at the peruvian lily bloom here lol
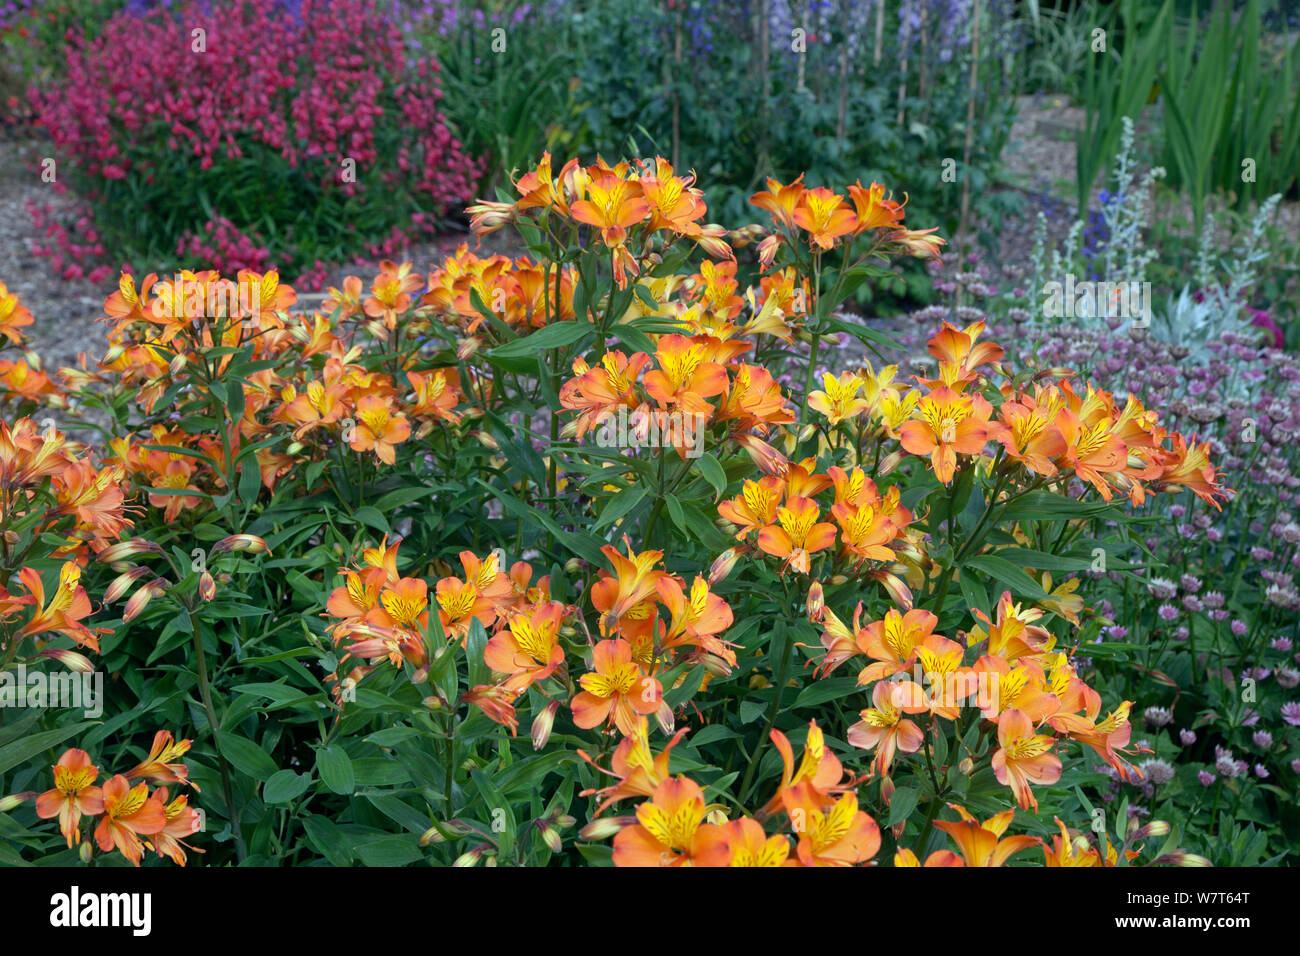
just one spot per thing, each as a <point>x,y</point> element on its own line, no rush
<point>742,842</point>
<point>948,424</point>
<point>674,202</point>
<point>1092,451</point>
<point>1005,686</point>
<point>528,650</point>
<point>163,764</point>
<point>65,609</point>
<point>781,201</point>
<point>637,769</point>
<point>892,642</point>
<point>598,392</point>
<point>685,376</point>
<point>182,821</point>
<point>1110,735</point>
<point>824,216</point>
<point>625,599</point>
<point>1024,757</point>
<point>1189,467</point>
<point>883,728</point>
<point>74,794</point>
<point>379,429</point>
<point>613,205</point>
<point>1070,851</point>
<point>129,813</point>
<point>906,857</point>
<point>667,831</point>
<point>981,844</point>
<point>1030,437</point>
<point>873,210</point>
<point>818,766</point>
<point>959,350</point>
<point>798,534</point>
<point>836,835</point>
<point>839,400</point>
<point>696,619</point>
<point>615,690</point>
<point>755,506</point>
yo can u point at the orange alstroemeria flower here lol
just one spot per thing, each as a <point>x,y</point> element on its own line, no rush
<point>613,205</point>
<point>948,424</point>
<point>798,534</point>
<point>625,599</point>
<point>781,201</point>
<point>65,609</point>
<point>1024,757</point>
<point>74,794</point>
<point>742,842</point>
<point>755,507</point>
<point>667,831</point>
<point>831,833</point>
<point>163,763</point>
<point>528,649</point>
<point>839,398</point>
<point>824,216</point>
<point>1189,467</point>
<point>637,769</point>
<point>892,642</point>
<point>615,690</point>
<point>685,376</point>
<point>379,429</point>
<point>129,813</point>
<point>182,821</point>
<point>599,391</point>
<point>982,844</point>
<point>883,728</point>
<point>873,210</point>
<point>818,766</point>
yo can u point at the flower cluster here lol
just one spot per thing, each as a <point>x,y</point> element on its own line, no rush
<point>126,813</point>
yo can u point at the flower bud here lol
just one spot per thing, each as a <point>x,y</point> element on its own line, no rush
<point>241,542</point>
<point>816,602</point>
<point>551,837</point>
<point>723,565</point>
<point>543,723</point>
<point>430,837</point>
<point>890,462</point>
<point>15,799</point>
<point>470,857</point>
<point>207,586</point>
<point>486,440</point>
<point>128,549</point>
<point>85,851</point>
<point>564,821</point>
<point>177,365</point>
<point>574,566</point>
<point>602,828</point>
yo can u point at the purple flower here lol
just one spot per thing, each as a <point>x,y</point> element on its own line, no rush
<point>1291,713</point>
<point>1206,778</point>
<point>1263,739</point>
<point>1188,737</point>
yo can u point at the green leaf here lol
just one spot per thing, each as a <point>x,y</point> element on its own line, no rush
<point>335,769</point>
<point>247,757</point>
<point>1007,574</point>
<point>284,786</point>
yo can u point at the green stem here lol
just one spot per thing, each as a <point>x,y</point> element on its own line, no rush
<point>782,674</point>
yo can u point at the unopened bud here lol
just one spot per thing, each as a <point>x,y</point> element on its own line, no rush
<point>433,703</point>
<point>486,440</point>
<point>177,365</point>
<point>470,857</point>
<point>890,462</point>
<point>816,602</point>
<point>543,723</point>
<point>603,828</point>
<point>551,837</point>
<point>723,565</point>
<point>15,799</point>
<point>241,542</point>
<point>430,837</point>
<point>574,566</point>
<point>207,586</point>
